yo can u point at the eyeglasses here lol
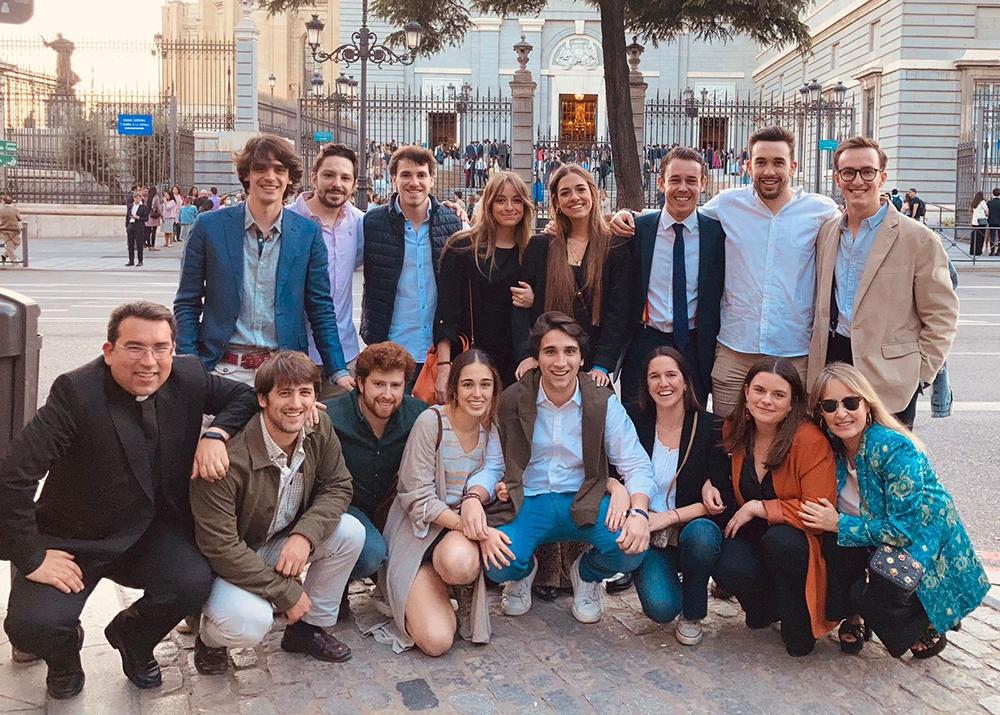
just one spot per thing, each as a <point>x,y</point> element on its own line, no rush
<point>850,404</point>
<point>867,174</point>
<point>138,352</point>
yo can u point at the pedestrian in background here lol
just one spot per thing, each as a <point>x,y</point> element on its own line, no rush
<point>978,213</point>
<point>154,216</point>
<point>135,228</point>
<point>993,221</point>
<point>170,210</point>
<point>185,217</point>
<point>10,229</point>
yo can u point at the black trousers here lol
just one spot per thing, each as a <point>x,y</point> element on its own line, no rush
<point>838,349</point>
<point>769,580</point>
<point>165,563</point>
<point>845,565</point>
<point>136,240</point>
<point>644,342</point>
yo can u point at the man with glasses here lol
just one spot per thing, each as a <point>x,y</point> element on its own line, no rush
<point>884,298</point>
<point>120,439</point>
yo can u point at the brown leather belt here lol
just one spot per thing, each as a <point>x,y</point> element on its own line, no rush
<point>247,360</point>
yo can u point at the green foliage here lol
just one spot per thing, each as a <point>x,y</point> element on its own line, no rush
<point>147,158</point>
<point>86,150</point>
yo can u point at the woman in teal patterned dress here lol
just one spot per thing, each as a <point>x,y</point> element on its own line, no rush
<point>887,493</point>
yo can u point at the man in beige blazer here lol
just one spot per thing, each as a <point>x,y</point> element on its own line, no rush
<point>884,300</point>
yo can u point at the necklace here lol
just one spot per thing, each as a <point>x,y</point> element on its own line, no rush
<point>574,255</point>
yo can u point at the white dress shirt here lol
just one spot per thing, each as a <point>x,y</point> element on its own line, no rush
<point>556,463</point>
<point>770,289</point>
<point>660,297</point>
<point>345,252</point>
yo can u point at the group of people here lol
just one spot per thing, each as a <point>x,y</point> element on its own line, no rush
<point>813,332</point>
<point>984,217</point>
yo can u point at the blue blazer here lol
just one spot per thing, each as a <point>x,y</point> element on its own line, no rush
<point>904,504</point>
<point>711,274</point>
<point>208,298</point>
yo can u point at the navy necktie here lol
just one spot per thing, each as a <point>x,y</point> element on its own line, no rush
<point>680,290</point>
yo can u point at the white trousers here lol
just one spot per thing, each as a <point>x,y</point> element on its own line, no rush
<point>235,618</point>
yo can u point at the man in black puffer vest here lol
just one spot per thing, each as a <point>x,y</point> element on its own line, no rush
<point>403,242</point>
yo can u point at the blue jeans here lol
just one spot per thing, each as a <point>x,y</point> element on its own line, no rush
<point>373,554</point>
<point>661,592</point>
<point>941,395</point>
<point>544,519</point>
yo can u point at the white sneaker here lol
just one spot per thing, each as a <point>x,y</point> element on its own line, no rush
<point>688,632</point>
<point>516,599</point>
<point>587,605</point>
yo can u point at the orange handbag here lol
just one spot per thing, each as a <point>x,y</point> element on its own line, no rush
<point>424,387</point>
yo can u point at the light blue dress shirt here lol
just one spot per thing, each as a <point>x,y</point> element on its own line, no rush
<point>416,293</point>
<point>852,255</point>
<point>770,289</point>
<point>660,298</point>
<point>556,463</point>
<point>255,324</point>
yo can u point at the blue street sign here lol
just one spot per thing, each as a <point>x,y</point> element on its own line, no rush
<point>135,125</point>
<point>828,144</point>
<point>322,137</point>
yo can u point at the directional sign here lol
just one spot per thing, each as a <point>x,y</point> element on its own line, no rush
<point>828,144</point>
<point>8,148</point>
<point>8,161</point>
<point>322,137</point>
<point>135,125</point>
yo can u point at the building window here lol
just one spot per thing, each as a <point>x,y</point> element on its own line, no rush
<point>834,53</point>
<point>873,37</point>
<point>868,108</point>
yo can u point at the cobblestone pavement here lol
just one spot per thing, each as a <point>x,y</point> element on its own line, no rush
<point>542,662</point>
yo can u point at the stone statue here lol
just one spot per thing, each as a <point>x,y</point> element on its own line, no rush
<point>577,52</point>
<point>65,75</point>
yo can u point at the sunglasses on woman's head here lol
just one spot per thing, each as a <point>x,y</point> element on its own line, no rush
<point>850,404</point>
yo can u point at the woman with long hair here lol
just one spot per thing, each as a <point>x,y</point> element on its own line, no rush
<point>685,444</point>
<point>771,560</point>
<point>154,206</point>
<point>888,494</point>
<point>978,214</point>
<point>169,213</point>
<point>432,548</point>
<point>480,278</point>
<point>581,270</point>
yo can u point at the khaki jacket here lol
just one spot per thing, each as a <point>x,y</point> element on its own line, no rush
<point>232,515</point>
<point>905,311</point>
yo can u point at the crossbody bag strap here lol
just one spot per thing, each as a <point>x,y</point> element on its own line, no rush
<point>834,310</point>
<point>687,453</point>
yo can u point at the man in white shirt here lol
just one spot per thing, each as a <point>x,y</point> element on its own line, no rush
<point>335,180</point>
<point>770,283</point>
<point>558,432</point>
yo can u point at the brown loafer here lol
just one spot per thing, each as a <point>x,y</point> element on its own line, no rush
<point>208,660</point>
<point>319,645</point>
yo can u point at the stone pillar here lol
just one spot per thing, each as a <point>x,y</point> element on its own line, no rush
<point>637,92</point>
<point>246,113</point>
<point>522,124</point>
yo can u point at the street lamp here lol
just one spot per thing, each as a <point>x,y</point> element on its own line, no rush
<point>271,81</point>
<point>363,48</point>
<point>317,83</point>
<point>816,97</point>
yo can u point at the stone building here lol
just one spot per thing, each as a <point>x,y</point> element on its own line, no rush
<point>912,69</point>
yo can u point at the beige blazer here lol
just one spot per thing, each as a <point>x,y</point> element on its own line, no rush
<point>905,310</point>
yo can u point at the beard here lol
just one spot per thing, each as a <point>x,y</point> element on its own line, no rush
<point>332,201</point>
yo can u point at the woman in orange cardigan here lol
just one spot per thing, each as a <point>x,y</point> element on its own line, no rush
<point>770,560</point>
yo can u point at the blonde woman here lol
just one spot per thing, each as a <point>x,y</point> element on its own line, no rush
<point>480,276</point>
<point>888,494</point>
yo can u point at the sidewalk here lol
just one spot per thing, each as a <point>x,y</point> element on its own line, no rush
<point>98,254</point>
<point>542,662</point>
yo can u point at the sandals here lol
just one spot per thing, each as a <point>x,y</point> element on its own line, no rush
<point>932,642</point>
<point>857,630</point>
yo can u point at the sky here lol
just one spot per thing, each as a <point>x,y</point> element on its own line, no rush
<point>111,36</point>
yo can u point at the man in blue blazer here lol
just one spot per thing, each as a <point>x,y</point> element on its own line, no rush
<point>676,302</point>
<point>253,273</point>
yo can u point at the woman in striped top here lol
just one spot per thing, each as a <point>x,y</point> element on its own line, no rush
<point>432,549</point>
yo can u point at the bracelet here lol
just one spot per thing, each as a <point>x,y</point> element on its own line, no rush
<point>677,517</point>
<point>444,362</point>
<point>634,511</point>
<point>472,495</point>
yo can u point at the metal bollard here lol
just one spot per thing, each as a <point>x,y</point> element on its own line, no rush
<point>24,245</point>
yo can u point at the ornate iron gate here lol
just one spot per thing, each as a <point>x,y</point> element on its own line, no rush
<point>978,158</point>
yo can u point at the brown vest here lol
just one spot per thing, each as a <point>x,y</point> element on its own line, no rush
<point>517,425</point>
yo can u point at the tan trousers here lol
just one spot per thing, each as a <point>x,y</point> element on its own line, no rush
<point>10,240</point>
<point>730,371</point>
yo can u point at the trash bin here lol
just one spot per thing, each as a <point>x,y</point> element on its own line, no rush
<point>20,345</point>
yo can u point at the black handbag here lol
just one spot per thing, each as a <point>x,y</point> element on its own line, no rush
<point>896,570</point>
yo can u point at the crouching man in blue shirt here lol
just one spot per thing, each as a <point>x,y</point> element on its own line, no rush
<point>558,432</point>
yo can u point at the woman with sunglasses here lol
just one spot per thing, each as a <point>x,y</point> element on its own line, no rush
<point>888,494</point>
<point>771,560</point>
<point>685,443</point>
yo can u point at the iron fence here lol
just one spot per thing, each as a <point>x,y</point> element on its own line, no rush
<point>550,152</point>
<point>200,75</point>
<point>720,127</point>
<point>978,158</point>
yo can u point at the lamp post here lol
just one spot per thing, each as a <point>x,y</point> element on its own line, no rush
<point>364,48</point>
<point>317,83</point>
<point>271,81</point>
<point>816,96</point>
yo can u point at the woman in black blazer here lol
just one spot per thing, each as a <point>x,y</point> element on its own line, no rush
<point>686,512</point>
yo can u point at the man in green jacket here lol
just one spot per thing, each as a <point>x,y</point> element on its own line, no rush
<point>280,506</point>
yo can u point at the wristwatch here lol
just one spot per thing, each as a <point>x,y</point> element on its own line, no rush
<point>214,435</point>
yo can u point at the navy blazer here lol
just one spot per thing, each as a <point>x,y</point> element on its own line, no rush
<point>711,274</point>
<point>208,297</point>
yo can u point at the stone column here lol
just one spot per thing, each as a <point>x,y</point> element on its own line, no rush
<point>246,113</point>
<point>522,124</point>
<point>637,92</point>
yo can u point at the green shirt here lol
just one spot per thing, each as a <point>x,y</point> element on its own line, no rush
<point>372,462</point>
